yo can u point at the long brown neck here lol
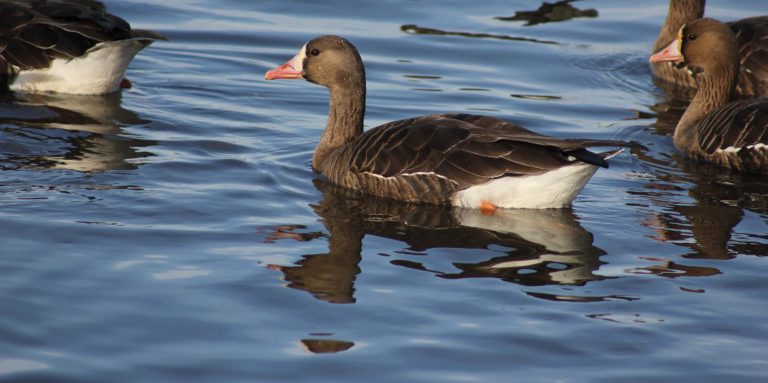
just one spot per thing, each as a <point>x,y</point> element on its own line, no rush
<point>716,88</point>
<point>680,12</point>
<point>345,118</point>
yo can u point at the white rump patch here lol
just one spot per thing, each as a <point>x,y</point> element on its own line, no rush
<point>554,189</point>
<point>99,71</point>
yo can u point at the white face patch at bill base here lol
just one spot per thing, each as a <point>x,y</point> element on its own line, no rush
<point>297,62</point>
<point>291,69</point>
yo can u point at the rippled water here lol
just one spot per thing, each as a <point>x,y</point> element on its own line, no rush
<point>175,232</point>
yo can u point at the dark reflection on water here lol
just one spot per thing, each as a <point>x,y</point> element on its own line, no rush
<point>415,29</point>
<point>550,12</point>
<point>536,97</point>
<point>541,247</point>
<point>719,200</point>
<point>671,269</point>
<point>83,133</point>
<point>325,346</point>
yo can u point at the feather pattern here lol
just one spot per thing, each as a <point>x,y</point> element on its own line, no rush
<point>432,157</point>
<point>733,136</point>
<point>35,33</point>
<point>752,38</point>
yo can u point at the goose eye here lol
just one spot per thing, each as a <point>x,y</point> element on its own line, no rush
<point>692,36</point>
<point>314,52</point>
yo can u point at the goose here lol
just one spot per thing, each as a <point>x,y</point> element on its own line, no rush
<point>461,160</point>
<point>752,41</point>
<point>66,46</point>
<point>730,134</point>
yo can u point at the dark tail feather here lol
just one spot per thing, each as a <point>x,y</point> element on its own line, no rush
<point>585,155</point>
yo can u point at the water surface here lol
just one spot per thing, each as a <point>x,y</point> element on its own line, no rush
<point>175,231</point>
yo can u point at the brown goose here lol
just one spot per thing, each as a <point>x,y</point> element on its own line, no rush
<point>730,134</point>
<point>67,46</point>
<point>454,159</point>
<point>751,37</point>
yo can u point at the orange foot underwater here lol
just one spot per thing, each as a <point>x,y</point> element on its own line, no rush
<point>487,208</point>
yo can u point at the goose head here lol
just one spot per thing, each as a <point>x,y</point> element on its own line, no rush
<point>327,60</point>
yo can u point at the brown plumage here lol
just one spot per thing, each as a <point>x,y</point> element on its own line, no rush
<point>33,33</point>
<point>731,134</point>
<point>428,158</point>
<point>752,46</point>
<point>422,159</point>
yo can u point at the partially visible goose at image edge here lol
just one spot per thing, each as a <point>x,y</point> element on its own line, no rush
<point>71,47</point>
<point>729,134</point>
<point>751,37</point>
<point>447,159</point>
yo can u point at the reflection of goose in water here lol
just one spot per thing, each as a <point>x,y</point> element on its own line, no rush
<point>540,246</point>
<point>706,225</point>
<point>82,133</point>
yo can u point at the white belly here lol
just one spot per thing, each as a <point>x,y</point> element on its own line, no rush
<point>555,189</point>
<point>99,71</point>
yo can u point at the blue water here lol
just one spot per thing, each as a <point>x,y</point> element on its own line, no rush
<point>176,233</point>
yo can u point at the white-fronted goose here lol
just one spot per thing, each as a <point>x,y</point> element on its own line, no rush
<point>752,47</point>
<point>730,134</point>
<point>456,159</point>
<point>65,46</point>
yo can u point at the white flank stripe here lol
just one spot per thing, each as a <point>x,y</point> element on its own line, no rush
<point>733,149</point>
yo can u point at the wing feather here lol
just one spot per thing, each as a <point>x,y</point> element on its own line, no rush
<point>752,37</point>
<point>453,149</point>
<point>736,125</point>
